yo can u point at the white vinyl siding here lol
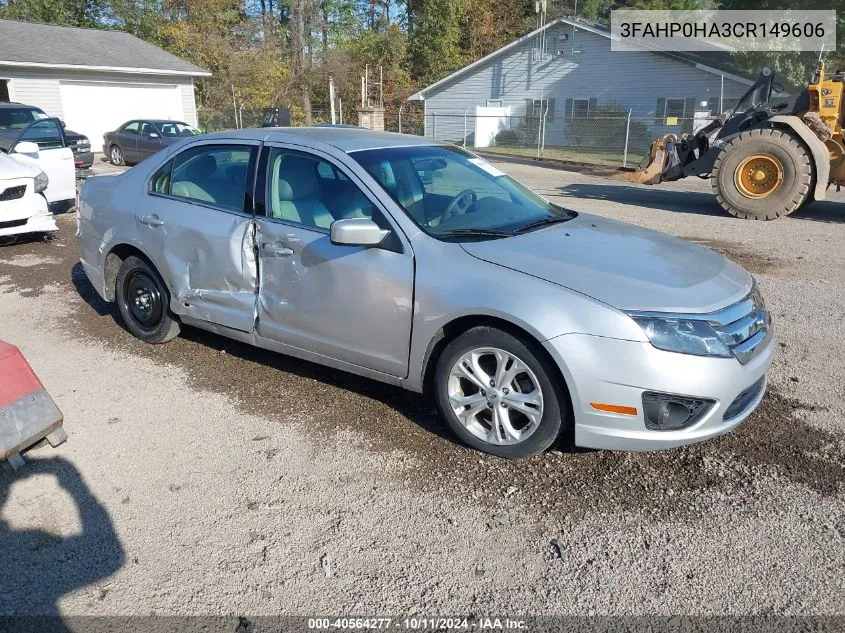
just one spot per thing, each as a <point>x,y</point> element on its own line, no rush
<point>43,89</point>
<point>630,80</point>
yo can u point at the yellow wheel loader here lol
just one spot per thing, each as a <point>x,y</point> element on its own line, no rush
<point>764,160</point>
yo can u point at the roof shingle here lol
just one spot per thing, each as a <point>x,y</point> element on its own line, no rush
<point>34,43</point>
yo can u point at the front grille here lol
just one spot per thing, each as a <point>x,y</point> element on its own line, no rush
<point>12,224</point>
<point>744,399</point>
<point>744,326</point>
<point>13,193</point>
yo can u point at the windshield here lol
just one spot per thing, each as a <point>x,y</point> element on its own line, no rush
<point>175,128</point>
<point>449,192</point>
<point>758,94</point>
<point>19,118</point>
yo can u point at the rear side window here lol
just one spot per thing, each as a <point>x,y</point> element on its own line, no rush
<point>160,182</point>
<point>211,174</point>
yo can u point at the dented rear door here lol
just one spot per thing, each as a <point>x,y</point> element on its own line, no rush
<point>197,224</point>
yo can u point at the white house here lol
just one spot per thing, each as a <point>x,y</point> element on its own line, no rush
<point>567,71</point>
<point>93,79</point>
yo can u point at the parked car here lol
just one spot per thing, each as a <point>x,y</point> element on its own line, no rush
<point>31,134</point>
<point>13,115</point>
<point>23,207</point>
<point>135,140</point>
<point>525,321</point>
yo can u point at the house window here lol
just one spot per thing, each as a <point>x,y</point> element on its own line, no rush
<point>494,103</point>
<point>580,108</point>
<point>675,108</point>
<point>539,107</point>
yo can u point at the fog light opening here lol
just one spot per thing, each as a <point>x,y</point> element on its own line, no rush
<point>669,412</point>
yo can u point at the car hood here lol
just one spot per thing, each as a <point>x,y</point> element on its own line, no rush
<point>625,266</point>
<point>17,167</point>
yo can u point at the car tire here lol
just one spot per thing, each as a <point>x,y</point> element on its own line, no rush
<point>534,386</point>
<point>144,302</point>
<point>116,156</point>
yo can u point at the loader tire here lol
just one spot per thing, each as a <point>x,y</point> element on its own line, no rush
<point>762,174</point>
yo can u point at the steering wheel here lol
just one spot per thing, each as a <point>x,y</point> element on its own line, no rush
<point>460,204</point>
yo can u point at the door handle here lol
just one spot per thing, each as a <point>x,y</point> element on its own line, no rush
<point>276,250</point>
<point>150,220</point>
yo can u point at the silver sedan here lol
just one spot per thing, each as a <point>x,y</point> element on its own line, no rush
<point>424,266</point>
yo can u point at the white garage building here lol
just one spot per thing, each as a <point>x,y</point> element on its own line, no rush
<point>92,79</point>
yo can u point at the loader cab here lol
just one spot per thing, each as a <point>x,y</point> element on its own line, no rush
<point>757,95</point>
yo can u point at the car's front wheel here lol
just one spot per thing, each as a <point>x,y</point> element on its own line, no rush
<point>499,393</point>
<point>144,302</point>
<point>116,156</point>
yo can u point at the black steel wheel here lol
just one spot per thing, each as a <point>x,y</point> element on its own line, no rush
<point>144,302</point>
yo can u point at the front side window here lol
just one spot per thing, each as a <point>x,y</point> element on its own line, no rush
<point>47,133</point>
<point>212,174</point>
<point>131,128</point>
<point>449,192</point>
<point>307,190</point>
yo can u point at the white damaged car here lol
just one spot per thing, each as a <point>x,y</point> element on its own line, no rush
<point>23,207</point>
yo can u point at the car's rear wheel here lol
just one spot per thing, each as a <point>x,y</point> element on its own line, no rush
<point>144,302</point>
<point>116,156</point>
<point>498,393</point>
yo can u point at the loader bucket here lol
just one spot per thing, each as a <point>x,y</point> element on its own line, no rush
<point>650,170</point>
<point>28,414</point>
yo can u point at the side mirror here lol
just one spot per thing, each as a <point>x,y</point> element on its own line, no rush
<point>153,134</point>
<point>26,147</point>
<point>357,232</point>
<point>62,123</point>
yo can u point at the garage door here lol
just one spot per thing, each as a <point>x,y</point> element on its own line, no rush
<point>94,108</point>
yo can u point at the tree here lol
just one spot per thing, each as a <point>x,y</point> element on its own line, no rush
<point>435,41</point>
<point>87,13</point>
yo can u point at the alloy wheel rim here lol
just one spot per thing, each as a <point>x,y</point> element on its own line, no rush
<point>115,155</point>
<point>143,298</point>
<point>495,396</point>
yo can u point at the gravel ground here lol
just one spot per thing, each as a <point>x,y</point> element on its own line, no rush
<point>206,477</point>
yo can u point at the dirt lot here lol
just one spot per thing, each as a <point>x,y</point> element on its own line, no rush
<point>205,477</point>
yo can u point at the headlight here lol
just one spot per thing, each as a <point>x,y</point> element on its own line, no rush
<point>41,182</point>
<point>685,336</point>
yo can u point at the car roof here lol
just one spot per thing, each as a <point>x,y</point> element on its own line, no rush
<point>15,104</point>
<point>346,139</point>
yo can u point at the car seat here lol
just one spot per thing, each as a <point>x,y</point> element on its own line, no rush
<point>195,180</point>
<point>293,197</point>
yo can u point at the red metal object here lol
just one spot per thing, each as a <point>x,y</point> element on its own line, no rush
<point>28,414</point>
<point>16,376</point>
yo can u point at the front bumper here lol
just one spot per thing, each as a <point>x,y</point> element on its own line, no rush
<point>41,220</point>
<point>604,370</point>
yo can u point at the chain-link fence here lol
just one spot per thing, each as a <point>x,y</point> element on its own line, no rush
<point>604,140</point>
<point>613,139</point>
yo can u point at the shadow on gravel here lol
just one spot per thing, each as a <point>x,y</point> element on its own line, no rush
<point>40,567</point>
<point>649,197</point>
<point>778,440</point>
<point>700,203</point>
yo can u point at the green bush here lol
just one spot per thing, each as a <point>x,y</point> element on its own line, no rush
<point>507,137</point>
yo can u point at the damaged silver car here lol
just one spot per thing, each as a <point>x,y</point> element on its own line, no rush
<point>424,266</point>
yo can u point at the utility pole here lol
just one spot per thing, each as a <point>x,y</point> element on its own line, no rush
<point>331,98</point>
